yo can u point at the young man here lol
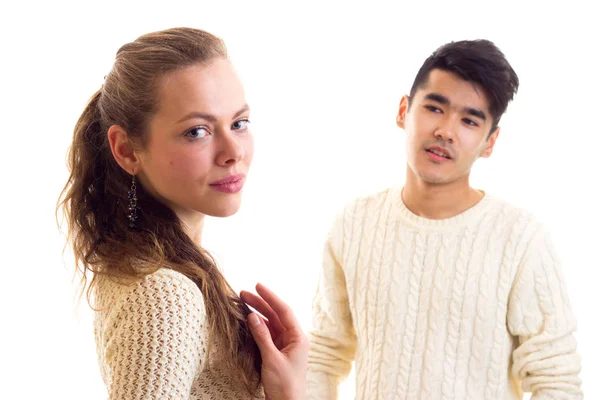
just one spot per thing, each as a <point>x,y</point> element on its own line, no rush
<point>439,290</point>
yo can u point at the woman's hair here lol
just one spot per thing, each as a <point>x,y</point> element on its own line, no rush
<point>95,205</point>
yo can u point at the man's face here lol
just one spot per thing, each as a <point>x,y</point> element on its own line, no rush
<point>447,125</point>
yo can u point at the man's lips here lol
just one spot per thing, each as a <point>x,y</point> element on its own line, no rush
<point>439,151</point>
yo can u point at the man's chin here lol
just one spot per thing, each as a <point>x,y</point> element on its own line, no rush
<point>434,179</point>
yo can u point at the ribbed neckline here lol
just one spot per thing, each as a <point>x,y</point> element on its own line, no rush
<point>470,215</point>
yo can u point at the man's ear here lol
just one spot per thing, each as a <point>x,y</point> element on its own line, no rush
<point>402,110</point>
<point>491,141</point>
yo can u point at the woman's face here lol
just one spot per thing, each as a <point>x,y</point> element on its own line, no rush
<point>199,147</point>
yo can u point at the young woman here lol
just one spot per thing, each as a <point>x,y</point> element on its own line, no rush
<point>162,144</point>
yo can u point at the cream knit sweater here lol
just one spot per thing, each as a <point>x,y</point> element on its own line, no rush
<point>470,307</point>
<point>151,339</point>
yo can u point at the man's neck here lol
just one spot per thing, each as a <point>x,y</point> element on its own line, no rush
<point>438,201</point>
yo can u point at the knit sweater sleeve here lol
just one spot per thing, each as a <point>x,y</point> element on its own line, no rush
<point>540,316</point>
<point>332,338</point>
<point>155,341</point>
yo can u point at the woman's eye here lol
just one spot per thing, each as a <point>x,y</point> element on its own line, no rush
<point>198,132</point>
<point>240,125</point>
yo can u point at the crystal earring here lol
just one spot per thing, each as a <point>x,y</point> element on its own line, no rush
<point>132,215</point>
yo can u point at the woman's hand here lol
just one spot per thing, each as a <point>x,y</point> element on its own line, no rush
<point>283,346</point>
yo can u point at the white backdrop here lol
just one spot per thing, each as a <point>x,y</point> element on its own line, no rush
<point>324,82</point>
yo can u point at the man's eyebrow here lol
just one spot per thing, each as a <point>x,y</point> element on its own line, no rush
<point>438,98</point>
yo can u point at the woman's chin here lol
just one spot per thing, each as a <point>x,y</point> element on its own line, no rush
<point>223,209</point>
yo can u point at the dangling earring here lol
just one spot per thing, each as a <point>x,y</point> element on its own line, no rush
<point>133,208</point>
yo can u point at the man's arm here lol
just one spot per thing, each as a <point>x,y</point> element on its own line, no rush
<point>540,316</point>
<point>332,338</point>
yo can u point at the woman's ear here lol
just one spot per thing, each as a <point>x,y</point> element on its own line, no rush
<point>122,149</point>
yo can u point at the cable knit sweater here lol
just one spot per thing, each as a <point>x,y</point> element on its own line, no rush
<point>470,307</point>
<point>151,339</point>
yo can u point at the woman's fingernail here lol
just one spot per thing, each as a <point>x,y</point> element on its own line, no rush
<point>254,320</point>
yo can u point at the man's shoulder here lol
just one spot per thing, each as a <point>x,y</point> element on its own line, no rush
<point>511,211</point>
<point>364,212</point>
<point>515,223</point>
<point>373,202</point>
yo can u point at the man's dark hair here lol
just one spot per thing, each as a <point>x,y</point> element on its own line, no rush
<point>478,61</point>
